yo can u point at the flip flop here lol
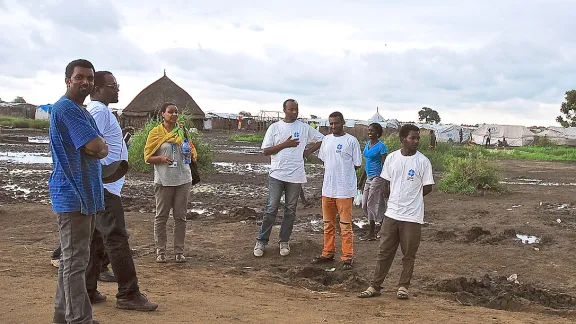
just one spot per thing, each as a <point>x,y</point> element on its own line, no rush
<point>402,293</point>
<point>369,293</point>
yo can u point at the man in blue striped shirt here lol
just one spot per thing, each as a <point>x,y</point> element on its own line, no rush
<point>76,190</point>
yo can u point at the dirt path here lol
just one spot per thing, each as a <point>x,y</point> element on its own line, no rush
<point>469,248</point>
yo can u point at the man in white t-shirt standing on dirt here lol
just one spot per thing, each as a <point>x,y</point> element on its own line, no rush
<point>408,178</point>
<point>342,156</point>
<point>285,142</point>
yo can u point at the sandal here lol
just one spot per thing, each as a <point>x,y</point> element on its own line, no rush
<point>402,293</point>
<point>180,258</point>
<point>347,264</point>
<point>322,259</point>
<point>369,293</point>
<point>161,258</point>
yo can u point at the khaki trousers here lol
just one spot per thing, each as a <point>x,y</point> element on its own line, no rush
<point>392,234</point>
<point>175,198</point>
<point>330,208</point>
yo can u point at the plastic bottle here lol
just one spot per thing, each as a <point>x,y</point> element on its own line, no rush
<point>186,151</point>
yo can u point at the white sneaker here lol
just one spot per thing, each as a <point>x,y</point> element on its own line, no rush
<point>284,248</point>
<point>259,249</point>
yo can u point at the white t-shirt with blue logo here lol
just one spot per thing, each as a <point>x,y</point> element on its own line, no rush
<point>340,155</point>
<point>288,164</point>
<point>407,175</point>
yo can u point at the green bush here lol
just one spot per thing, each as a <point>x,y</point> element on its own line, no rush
<point>470,174</point>
<point>543,141</point>
<point>136,151</point>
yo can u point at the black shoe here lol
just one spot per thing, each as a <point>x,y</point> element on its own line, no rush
<point>107,276</point>
<point>97,298</point>
<point>138,302</point>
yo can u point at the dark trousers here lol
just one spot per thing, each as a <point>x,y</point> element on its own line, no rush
<point>110,234</point>
<point>392,234</point>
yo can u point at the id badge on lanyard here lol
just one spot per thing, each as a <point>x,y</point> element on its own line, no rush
<point>174,163</point>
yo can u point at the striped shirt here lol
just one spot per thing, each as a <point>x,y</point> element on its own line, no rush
<point>76,180</point>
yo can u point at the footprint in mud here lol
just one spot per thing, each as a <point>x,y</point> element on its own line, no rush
<point>324,278</point>
<point>443,236</point>
<point>500,293</point>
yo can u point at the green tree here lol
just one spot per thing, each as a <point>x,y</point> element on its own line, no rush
<point>428,115</point>
<point>19,99</point>
<point>568,109</point>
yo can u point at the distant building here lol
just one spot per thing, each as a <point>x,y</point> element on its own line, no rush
<point>22,110</point>
<point>147,103</point>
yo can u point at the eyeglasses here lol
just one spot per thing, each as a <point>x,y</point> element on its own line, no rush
<point>114,86</point>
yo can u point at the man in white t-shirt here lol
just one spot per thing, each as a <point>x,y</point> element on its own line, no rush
<point>408,178</point>
<point>341,155</point>
<point>285,142</point>
<point>110,232</point>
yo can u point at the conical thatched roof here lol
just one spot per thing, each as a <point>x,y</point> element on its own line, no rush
<point>159,92</point>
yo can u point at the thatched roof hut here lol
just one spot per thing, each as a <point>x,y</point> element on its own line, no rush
<point>147,103</point>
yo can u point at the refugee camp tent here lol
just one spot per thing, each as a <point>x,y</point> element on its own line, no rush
<point>515,135</point>
<point>560,135</point>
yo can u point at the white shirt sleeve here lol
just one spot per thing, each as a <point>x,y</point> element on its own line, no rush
<point>321,151</point>
<point>356,153</point>
<point>100,116</point>
<point>268,140</point>
<point>314,136</point>
<point>386,172</point>
<point>427,176</point>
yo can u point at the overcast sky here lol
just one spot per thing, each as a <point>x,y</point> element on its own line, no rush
<point>490,61</point>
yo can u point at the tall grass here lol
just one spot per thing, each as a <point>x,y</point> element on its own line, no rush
<point>136,151</point>
<point>18,122</point>
<point>252,138</point>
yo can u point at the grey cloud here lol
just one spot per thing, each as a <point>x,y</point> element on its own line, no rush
<point>504,69</point>
<point>89,16</point>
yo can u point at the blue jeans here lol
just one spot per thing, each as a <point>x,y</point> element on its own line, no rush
<point>291,193</point>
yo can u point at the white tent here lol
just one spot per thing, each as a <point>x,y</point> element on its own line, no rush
<point>448,133</point>
<point>560,135</point>
<point>515,135</point>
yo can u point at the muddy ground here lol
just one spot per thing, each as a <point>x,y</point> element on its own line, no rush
<point>494,258</point>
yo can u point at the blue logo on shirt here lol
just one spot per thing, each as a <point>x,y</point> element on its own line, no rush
<point>339,146</point>
<point>411,174</point>
<point>296,134</point>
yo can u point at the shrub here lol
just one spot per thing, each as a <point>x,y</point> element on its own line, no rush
<point>136,151</point>
<point>470,174</point>
<point>18,122</point>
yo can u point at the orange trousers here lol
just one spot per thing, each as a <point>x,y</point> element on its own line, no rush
<point>330,208</point>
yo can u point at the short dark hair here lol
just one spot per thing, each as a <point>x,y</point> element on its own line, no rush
<point>378,128</point>
<point>337,114</point>
<point>165,106</point>
<point>287,101</point>
<point>99,78</point>
<point>405,130</point>
<point>81,63</point>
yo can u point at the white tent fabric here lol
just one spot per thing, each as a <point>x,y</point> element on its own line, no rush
<point>515,135</point>
<point>560,135</point>
<point>448,133</point>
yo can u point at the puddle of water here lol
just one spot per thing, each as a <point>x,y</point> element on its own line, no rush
<point>361,223</point>
<point>199,211</point>
<point>535,182</point>
<point>229,191</point>
<point>239,168</point>
<point>39,139</point>
<point>17,189</point>
<point>23,172</point>
<point>528,239</point>
<point>240,151</point>
<point>26,158</point>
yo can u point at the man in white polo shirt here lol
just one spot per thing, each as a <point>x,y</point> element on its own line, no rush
<point>408,178</point>
<point>342,156</point>
<point>110,229</point>
<point>285,142</point>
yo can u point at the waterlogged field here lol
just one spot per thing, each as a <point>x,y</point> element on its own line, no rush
<point>480,254</point>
